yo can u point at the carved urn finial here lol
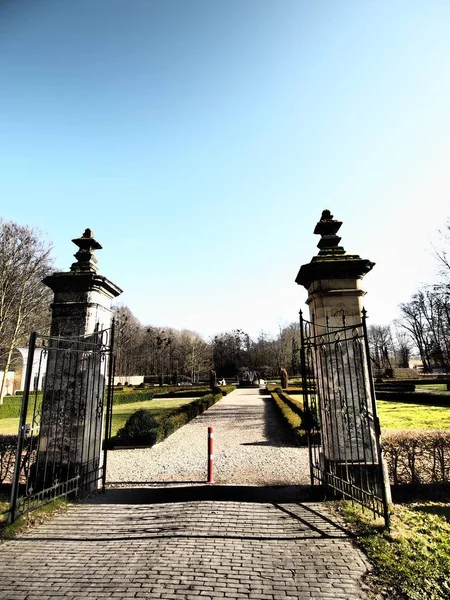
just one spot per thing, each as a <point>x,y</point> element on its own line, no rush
<point>331,262</point>
<point>86,260</point>
<point>327,228</point>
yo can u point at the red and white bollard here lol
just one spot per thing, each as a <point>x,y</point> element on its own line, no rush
<point>210,454</point>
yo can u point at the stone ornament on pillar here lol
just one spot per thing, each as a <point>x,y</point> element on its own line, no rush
<point>333,277</point>
<point>86,259</point>
<point>82,300</point>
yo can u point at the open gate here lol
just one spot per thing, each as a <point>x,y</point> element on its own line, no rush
<point>66,409</point>
<point>342,422</point>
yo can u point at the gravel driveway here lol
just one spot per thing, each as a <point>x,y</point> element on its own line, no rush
<point>251,446</point>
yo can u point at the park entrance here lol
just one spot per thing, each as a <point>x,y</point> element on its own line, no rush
<point>339,398</point>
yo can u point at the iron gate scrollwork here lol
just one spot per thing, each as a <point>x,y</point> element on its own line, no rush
<point>342,424</point>
<point>68,388</point>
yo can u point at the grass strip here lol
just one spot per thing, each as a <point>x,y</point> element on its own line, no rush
<point>29,520</point>
<point>412,560</point>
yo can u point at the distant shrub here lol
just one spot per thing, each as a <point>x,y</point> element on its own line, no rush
<point>284,378</point>
<point>212,379</point>
<point>140,429</point>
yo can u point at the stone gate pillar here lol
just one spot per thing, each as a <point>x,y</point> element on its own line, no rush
<point>72,408</point>
<point>332,280</point>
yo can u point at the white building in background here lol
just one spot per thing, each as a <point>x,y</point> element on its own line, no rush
<point>15,380</point>
<point>131,379</point>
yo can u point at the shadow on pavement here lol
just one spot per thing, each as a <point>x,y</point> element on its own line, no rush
<point>198,493</point>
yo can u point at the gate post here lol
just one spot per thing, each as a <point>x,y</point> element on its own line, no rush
<point>72,407</point>
<point>346,401</point>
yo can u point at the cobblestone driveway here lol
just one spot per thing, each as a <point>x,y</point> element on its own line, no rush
<point>195,550</point>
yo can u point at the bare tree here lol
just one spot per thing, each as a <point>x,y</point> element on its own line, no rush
<point>381,346</point>
<point>24,299</point>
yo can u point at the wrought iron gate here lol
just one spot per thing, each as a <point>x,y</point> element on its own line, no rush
<point>66,408</point>
<point>342,423</point>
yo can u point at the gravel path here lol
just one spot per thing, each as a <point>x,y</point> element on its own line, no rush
<point>251,446</point>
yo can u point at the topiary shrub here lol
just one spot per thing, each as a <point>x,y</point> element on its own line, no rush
<point>212,379</point>
<point>141,429</point>
<point>284,378</point>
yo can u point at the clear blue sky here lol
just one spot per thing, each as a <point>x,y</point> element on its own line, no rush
<point>201,139</point>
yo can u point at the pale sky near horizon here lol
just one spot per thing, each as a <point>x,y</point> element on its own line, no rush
<point>201,140</point>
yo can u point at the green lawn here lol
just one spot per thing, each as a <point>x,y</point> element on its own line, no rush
<point>399,415</point>
<point>412,560</point>
<point>9,425</point>
<point>121,412</point>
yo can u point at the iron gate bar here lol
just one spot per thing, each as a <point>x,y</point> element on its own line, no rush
<point>109,405</point>
<point>377,424</point>
<point>344,440</point>
<point>60,456</point>
<point>22,421</point>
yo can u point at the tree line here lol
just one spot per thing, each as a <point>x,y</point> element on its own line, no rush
<point>170,355</point>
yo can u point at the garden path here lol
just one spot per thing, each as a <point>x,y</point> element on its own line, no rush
<point>252,446</point>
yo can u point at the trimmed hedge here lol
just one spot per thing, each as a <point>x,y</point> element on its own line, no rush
<point>426,398</point>
<point>292,419</point>
<point>129,397</point>
<point>418,457</point>
<point>163,425</point>
<point>295,416</point>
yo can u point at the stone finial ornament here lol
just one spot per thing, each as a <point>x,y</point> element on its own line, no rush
<point>86,259</point>
<point>327,227</point>
<point>332,262</point>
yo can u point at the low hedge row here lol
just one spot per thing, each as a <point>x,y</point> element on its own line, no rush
<point>144,429</point>
<point>292,419</point>
<point>129,397</point>
<point>427,398</point>
<point>418,457</point>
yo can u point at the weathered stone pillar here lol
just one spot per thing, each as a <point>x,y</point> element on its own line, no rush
<point>332,280</point>
<point>72,409</point>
